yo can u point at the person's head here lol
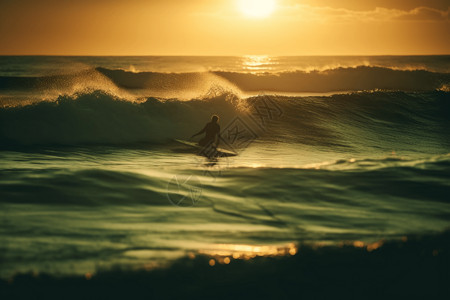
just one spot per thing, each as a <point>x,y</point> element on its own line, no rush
<point>214,119</point>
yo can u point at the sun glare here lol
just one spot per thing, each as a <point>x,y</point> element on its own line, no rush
<point>256,8</point>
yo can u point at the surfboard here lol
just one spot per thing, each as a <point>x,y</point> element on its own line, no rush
<point>208,151</point>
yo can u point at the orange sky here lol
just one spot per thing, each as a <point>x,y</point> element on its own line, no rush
<point>217,27</point>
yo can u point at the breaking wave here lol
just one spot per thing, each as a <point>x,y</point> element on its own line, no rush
<point>346,120</point>
<point>189,85</point>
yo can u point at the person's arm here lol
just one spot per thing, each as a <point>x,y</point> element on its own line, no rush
<point>200,132</point>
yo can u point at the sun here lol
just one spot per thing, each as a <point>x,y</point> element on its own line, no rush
<point>257,8</point>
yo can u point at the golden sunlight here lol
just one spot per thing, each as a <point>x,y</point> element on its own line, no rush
<point>257,8</point>
<point>222,252</point>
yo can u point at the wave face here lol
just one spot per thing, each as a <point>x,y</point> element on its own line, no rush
<point>185,85</point>
<point>340,79</point>
<point>346,120</point>
<point>101,118</point>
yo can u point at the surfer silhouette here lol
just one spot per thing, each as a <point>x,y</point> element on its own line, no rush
<point>212,133</point>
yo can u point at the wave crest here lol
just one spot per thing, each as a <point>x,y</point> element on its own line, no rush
<point>191,85</point>
<point>101,118</point>
<point>339,120</point>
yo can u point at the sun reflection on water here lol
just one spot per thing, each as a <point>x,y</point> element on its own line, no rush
<point>222,253</point>
<point>368,246</point>
<point>258,63</point>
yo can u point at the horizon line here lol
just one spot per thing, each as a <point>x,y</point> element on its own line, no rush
<point>216,55</point>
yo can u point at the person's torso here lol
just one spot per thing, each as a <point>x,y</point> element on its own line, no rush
<point>212,129</point>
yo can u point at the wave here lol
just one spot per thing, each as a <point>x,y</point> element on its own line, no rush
<point>386,182</point>
<point>101,118</point>
<point>340,79</point>
<point>345,120</point>
<point>188,85</point>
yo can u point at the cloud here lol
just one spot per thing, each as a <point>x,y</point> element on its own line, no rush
<point>379,14</point>
<point>426,14</point>
<point>365,5</point>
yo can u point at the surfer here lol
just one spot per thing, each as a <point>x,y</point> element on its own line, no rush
<point>212,133</point>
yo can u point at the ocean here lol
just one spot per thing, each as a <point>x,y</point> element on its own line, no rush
<point>331,151</point>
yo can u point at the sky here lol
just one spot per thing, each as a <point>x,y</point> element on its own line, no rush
<point>222,27</point>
